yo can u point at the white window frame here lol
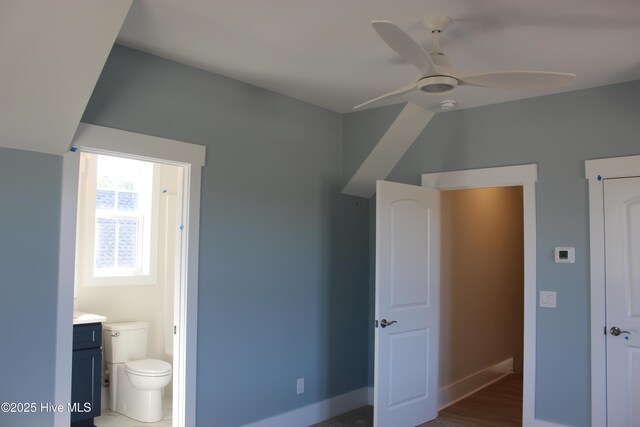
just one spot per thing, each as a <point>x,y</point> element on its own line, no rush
<point>87,234</point>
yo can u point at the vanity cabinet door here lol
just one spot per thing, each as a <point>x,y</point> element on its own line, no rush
<point>85,384</point>
<point>87,336</point>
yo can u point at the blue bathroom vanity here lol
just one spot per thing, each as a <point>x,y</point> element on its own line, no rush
<point>86,370</point>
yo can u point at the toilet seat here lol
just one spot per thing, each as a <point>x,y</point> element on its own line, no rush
<point>148,367</point>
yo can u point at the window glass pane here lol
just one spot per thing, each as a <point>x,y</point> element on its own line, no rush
<point>105,242</point>
<point>123,234</point>
<point>129,174</point>
<point>107,170</point>
<point>127,201</point>
<point>105,199</point>
<point>127,238</point>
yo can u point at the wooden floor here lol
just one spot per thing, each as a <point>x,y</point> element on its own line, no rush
<point>498,405</point>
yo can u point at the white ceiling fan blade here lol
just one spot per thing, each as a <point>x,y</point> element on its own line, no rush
<point>404,46</point>
<point>518,80</point>
<point>404,89</point>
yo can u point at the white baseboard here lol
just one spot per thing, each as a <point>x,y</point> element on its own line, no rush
<point>314,413</point>
<point>452,393</point>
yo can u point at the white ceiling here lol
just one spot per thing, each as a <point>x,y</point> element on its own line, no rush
<point>325,52</point>
<point>321,51</point>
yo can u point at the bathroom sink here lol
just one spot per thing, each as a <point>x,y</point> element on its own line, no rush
<point>80,318</point>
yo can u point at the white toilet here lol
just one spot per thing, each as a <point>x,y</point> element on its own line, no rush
<point>135,382</point>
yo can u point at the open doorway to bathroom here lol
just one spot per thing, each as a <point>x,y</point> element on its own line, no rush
<point>191,158</point>
<point>128,246</point>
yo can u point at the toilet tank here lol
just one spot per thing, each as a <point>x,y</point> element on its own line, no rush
<point>124,342</point>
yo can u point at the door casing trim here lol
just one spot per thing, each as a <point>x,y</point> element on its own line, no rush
<point>99,139</point>
<point>596,171</point>
<point>525,176</point>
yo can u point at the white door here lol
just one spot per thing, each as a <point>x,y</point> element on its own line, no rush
<point>622,248</point>
<point>407,305</point>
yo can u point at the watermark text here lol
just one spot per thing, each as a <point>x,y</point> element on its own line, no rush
<point>27,407</point>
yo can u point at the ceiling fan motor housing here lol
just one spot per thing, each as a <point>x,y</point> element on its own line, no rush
<point>437,85</point>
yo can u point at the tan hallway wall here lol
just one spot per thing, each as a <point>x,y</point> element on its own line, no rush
<point>481,280</point>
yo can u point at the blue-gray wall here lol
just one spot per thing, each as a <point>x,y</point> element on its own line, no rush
<point>30,216</point>
<point>284,258</point>
<point>283,285</point>
<point>558,133</point>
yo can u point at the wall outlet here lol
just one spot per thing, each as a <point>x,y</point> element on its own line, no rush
<point>300,386</point>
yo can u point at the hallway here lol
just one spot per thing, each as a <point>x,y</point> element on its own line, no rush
<point>498,405</point>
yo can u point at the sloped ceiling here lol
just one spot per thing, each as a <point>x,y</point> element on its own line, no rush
<point>51,55</point>
<point>325,52</point>
<point>322,52</point>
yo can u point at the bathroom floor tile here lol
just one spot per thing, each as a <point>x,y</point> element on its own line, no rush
<point>110,418</point>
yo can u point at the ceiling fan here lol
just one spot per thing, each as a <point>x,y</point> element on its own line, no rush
<point>436,73</point>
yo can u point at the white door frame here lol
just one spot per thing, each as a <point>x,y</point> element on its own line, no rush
<point>191,157</point>
<point>596,171</point>
<point>525,176</point>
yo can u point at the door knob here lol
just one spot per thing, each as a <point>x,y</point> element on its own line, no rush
<point>384,323</point>
<point>615,331</point>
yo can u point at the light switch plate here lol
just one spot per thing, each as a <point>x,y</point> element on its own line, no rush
<point>548,299</point>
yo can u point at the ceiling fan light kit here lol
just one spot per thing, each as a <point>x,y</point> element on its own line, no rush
<point>437,85</point>
<point>436,71</point>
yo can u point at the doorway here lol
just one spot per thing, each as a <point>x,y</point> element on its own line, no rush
<point>524,177</point>
<point>189,158</point>
<point>481,301</point>
<point>128,260</point>
<point>408,226</point>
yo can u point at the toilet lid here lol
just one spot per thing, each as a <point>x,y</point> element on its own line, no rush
<point>149,367</point>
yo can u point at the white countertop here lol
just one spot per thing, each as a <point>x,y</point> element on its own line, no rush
<point>80,318</point>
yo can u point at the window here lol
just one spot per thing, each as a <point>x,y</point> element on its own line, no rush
<point>118,229</point>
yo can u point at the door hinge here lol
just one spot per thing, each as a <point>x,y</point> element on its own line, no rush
<point>605,329</point>
<point>175,329</point>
